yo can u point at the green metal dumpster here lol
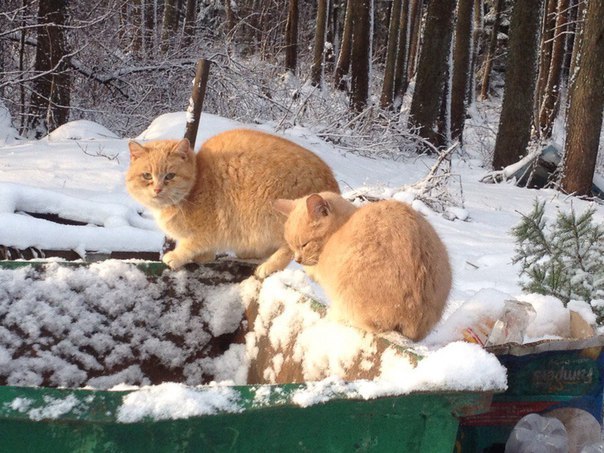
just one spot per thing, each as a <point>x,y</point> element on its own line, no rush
<point>258,417</point>
<point>411,423</point>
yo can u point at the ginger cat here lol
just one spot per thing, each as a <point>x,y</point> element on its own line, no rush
<point>382,265</point>
<point>221,198</point>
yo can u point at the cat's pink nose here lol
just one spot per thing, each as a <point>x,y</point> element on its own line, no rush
<point>297,258</point>
<point>157,189</point>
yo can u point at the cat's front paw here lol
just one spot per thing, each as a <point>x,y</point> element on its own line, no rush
<point>173,260</point>
<point>263,271</point>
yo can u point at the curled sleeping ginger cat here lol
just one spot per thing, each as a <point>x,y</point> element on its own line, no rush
<point>220,199</point>
<point>382,266</point>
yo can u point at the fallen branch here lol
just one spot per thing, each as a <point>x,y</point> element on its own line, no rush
<point>433,189</point>
<point>508,172</point>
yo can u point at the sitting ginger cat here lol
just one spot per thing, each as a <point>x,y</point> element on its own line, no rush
<point>220,199</point>
<point>382,266</point>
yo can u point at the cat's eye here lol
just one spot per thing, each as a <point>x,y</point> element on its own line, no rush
<point>169,176</point>
<point>303,246</point>
<point>147,176</point>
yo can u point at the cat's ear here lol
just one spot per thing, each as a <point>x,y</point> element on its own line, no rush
<point>317,207</point>
<point>136,150</point>
<point>283,206</point>
<point>182,149</point>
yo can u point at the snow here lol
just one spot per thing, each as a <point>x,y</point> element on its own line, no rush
<point>440,370</point>
<point>77,172</point>
<point>172,126</point>
<point>552,318</point>
<point>8,134</point>
<point>54,408</point>
<point>86,326</point>
<point>51,407</point>
<point>81,130</point>
<point>174,401</point>
<point>124,228</point>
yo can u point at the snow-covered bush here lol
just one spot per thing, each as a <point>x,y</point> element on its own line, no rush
<point>564,258</point>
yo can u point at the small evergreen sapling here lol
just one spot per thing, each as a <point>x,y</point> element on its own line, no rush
<point>564,259</point>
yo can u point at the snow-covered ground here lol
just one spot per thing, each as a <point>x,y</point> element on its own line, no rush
<point>78,171</point>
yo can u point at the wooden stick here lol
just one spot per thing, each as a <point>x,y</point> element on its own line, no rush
<point>202,73</point>
<point>200,83</point>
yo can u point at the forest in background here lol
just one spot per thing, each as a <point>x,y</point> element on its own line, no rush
<point>379,78</point>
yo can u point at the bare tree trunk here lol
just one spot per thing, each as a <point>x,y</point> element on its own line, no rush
<point>317,65</point>
<point>230,17</point>
<point>50,99</point>
<point>123,27</point>
<point>137,26</point>
<point>584,121</point>
<point>330,37</point>
<point>461,67</point>
<point>169,25</point>
<point>444,119</point>
<point>148,26</point>
<point>570,38</point>
<point>190,20</point>
<point>432,71</point>
<point>581,9</point>
<point>415,18</point>
<point>400,76</point>
<point>514,130</point>
<point>338,6</point>
<point>545,56</point>
<point>254,23</point>
<point>343,63</point>
<point>551,93</point>
<point>477,36</point>
<point>264,24</point>
<point>488,63</point>
<point>23,36</point>
<point>291,37</point>
<point>391,53</point>
<point>359,68</point>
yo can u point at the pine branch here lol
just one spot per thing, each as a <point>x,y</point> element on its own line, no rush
<point>566,262</point>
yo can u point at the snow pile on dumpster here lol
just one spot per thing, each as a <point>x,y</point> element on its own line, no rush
<point>110,323</point>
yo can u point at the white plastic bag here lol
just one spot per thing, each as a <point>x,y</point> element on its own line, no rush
<point>598,447</point>
<point>537,434</point>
